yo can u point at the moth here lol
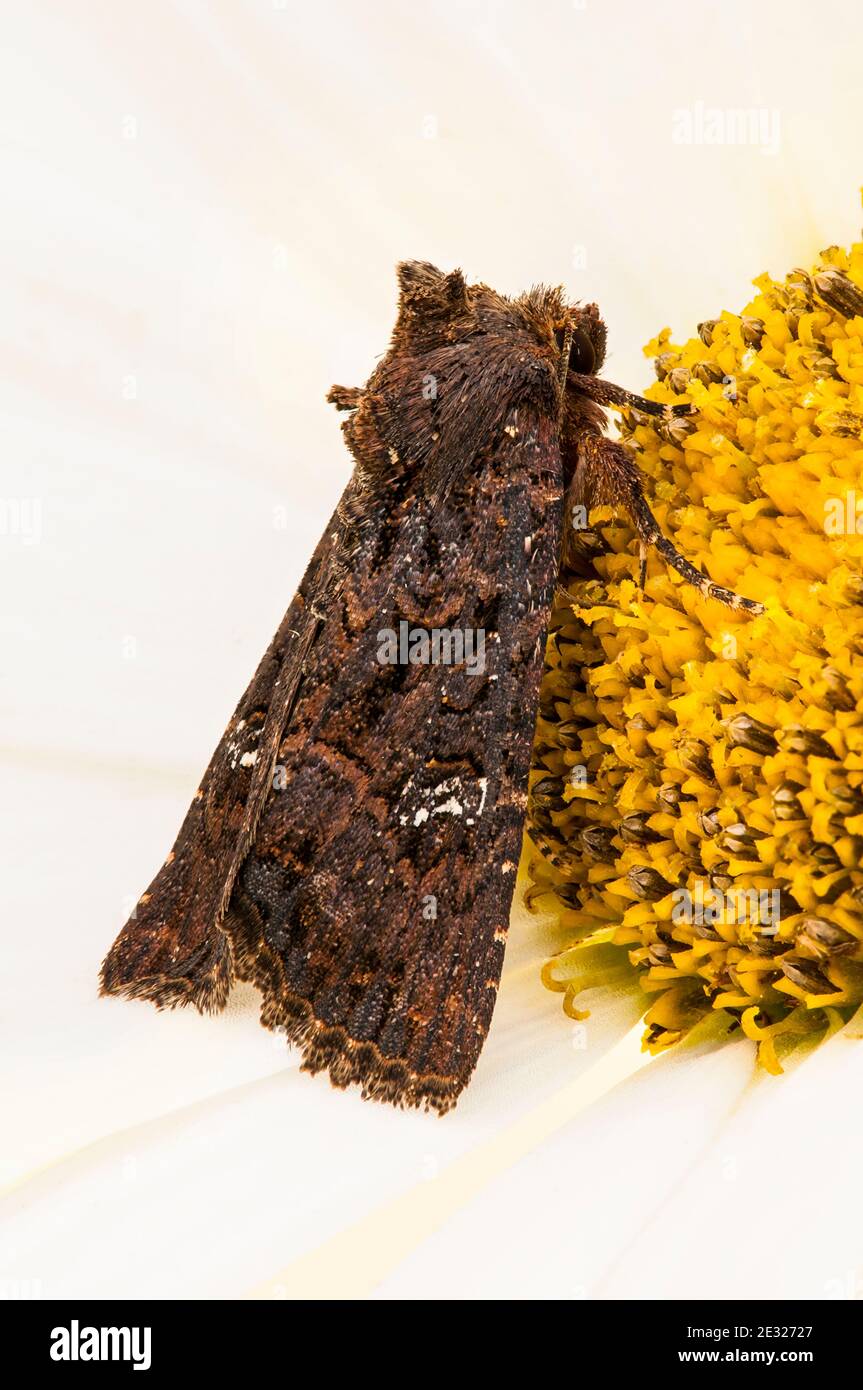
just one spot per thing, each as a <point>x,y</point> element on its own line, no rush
<point>353,845</point>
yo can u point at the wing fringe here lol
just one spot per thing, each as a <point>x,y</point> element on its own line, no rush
<point>324,1046</point>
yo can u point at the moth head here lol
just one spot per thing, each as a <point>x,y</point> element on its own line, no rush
<point>461,359</point>
<point>587,337</point>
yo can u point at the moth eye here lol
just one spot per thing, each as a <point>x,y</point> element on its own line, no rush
<point>582,357</point>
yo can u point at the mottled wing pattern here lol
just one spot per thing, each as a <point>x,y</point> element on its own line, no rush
<point>353,846</point>
<point>172,950</point>
<point>404,786</point>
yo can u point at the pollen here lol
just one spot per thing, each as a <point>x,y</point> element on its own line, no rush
<point>696,809</point>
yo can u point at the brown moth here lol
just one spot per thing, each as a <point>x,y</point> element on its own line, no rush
<point>352,848</point>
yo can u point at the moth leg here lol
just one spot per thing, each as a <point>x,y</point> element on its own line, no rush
<point>606,393</point>
<point>613,477</point>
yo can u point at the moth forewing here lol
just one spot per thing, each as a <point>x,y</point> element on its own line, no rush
<point>353,846</point>
<point>173,950</point>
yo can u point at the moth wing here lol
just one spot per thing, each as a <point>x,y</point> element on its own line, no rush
<point>172,950</point>
<point>373,906</point>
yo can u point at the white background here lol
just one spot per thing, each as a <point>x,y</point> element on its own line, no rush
<point>202,205</point>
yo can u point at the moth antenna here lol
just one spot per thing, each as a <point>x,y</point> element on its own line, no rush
<point>693,576</point>
<point>615,478</point>
<point>606,393</point>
